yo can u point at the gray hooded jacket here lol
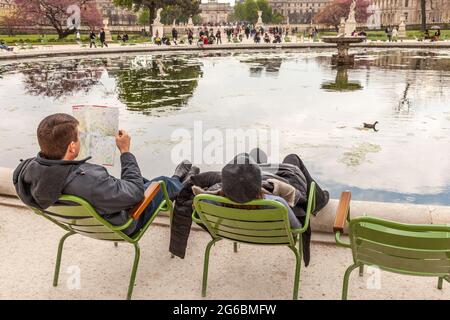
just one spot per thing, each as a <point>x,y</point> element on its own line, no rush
<point>39,182</point>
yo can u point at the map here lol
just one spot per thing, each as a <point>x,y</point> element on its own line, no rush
<point>98,128</point>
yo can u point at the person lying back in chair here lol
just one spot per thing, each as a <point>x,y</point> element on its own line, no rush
<point>41,180</point>
<point>242,182</point>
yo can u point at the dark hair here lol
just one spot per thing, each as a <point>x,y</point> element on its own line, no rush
<point>55,133</point>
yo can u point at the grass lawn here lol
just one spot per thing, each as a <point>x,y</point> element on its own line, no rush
<point>53,39</point>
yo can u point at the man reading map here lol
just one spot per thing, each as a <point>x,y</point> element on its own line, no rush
<point>40,181</point>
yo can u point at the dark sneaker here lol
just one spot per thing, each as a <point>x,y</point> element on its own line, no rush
<point>182,170</point>
<point>258,155</point>
<point>194,171</point>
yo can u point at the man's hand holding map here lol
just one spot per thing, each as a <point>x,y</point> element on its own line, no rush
<point>98,128</point>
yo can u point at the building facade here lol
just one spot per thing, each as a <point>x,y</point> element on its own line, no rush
<point>6,7</point>
<point>214,12</point>
<point>117,16</point>
<point>438,11</point>
<point>298,11</point>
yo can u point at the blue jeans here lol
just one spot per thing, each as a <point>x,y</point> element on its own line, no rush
<point>173,186</point>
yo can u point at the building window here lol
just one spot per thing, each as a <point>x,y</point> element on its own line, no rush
<point>406,3</point>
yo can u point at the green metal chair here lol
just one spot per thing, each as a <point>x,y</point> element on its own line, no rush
<point>259,222</point>
<point>77,216</point>
<point>411,249</point>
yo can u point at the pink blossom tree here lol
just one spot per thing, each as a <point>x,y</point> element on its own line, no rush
<point>55,13</point>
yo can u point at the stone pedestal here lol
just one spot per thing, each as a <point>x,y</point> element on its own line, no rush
<point>343,44</point>
<point>157,29</point>
<point>402,28</point>
<point>350,26</point>
<point>343,58</point>
<point>108,36</point>
<point>342,26</point>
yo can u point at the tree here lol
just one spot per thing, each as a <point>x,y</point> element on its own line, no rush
<point>423,10</point>
<point>333,12</point>
<point>188,7</point>
<point>248,11</point>
<point>54,13</point>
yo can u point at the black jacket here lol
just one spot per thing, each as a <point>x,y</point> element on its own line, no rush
<point>182,215</point>
<point>39,182</point>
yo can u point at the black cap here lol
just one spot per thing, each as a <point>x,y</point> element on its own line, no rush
<point>241,179</point>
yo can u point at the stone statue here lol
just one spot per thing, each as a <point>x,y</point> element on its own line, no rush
<point>259,18</point>
<point>402,28</point>
<point>351,15</point>
<point>190,23</point>
<point>158,16</point>
<point>350,24</point>
<point>341,31</point>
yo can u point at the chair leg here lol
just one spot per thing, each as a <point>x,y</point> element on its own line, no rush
<point>206,265</point>
<point>346,277</point>
<point>298,257</point>
<point>235,246</point>
<point>361,270</point>
<point>440,281</point>
<point>137,254</point>
<point>58,257</point>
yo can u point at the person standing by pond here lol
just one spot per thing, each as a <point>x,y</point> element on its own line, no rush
<point>389,33</point>
<point>218,36</point>
<point>190,36</point>
<point>92,39</point>
<point>174,35</point>
<point>103,38</point>
<point>394,34</point>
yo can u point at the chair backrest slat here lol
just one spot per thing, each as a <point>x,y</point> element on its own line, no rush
<point>77,215</point>
<point>400,247</point>
<point>258,222</point>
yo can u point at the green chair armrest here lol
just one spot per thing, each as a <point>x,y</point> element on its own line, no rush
<point>196,218</point>
<point>310,209</point>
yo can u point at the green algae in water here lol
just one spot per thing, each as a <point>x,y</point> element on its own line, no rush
<point>357,155</point>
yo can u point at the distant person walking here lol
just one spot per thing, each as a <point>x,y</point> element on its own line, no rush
<point>103,38</point>
<point>92,39</point>
<point>394,34</point>
<point>174,35</point>
<point>218,36</point>
<point>190,36</point>
<point>389,33</point>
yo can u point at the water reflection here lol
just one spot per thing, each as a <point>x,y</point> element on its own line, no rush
<point>154,82</point>
<point>56,81</point>
<point>271,66</point>
<point>341,82</point>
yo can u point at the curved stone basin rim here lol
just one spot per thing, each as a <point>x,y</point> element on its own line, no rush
<point>343,40</point>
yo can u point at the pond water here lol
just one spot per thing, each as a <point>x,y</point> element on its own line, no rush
<point>316,110</point>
